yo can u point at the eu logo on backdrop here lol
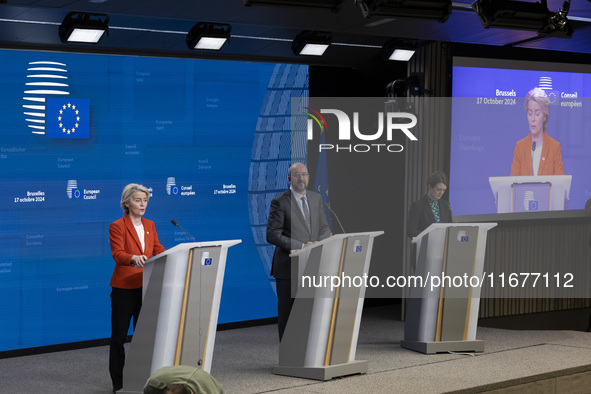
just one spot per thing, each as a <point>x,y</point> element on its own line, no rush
<point>68,118</point>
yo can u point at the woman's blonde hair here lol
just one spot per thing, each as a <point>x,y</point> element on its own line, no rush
<point>128,192</point>
<point>539,96</point>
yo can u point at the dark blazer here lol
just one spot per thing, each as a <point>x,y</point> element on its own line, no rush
<point>287,229</point>
<point>125,244</point>
<point>421,216</point>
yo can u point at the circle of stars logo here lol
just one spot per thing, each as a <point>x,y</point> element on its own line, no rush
<point>68,118</point>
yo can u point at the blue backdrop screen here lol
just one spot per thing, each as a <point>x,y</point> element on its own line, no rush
<point>76,128</point>
<point>489,117</point>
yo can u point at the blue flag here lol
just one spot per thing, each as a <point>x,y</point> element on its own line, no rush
<point>321,181</point>
<point>68,118</point>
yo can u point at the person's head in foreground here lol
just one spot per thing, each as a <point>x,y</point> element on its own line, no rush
<point>437,183</point>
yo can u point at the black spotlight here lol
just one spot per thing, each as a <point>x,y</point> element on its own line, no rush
<point>333,5</point>
<point>438,10</point>
<point>311,43</point>
<point>398,50</point>
<point>208,36</point>
<point>83,27</point>
<point>519,15</point>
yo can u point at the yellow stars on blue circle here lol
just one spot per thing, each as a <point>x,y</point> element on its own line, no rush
<point>68,118</point>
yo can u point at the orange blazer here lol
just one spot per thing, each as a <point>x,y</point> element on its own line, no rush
<point>124,244</point>
<point>550,162</point>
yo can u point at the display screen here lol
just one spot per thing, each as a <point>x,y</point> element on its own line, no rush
<point>489,118</point>
<point>76,128</point>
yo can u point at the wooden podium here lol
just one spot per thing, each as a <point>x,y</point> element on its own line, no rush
<point>320,339</point>
<point>181,301</point>
<point>444,318</point>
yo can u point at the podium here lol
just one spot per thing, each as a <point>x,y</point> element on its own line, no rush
<point>530,193</point>
<point>320,338</point>
<point>181,299</point>
<point>444,318</point>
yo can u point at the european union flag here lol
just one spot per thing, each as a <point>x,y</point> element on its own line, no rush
<point>68,118</point>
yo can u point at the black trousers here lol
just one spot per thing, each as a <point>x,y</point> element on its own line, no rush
<point>125,305</point>
<point>284,304</point>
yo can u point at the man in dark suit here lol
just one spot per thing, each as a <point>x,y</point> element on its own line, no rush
<point>296,220</point>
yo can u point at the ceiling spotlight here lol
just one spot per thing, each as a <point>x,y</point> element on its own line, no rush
<point>438,10</point>
<point>404,87</point>
<point>401,55</point>
<point>398,50</point>
<point>208,36</point>
<point>558,23</point>
<point>311,43</point>
<point>83,27</point>
<point>333,5</point>
<point>519,15</point>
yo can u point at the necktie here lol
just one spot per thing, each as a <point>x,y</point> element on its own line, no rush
<point>306,211</point>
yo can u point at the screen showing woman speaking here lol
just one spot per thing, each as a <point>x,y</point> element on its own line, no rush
<point>519,136</point>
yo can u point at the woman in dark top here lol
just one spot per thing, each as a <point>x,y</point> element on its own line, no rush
<point>431,208</point>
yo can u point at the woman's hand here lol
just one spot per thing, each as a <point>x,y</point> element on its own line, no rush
<point>138,261</point>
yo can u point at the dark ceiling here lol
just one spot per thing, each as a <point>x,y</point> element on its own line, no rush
<point>159,27</point>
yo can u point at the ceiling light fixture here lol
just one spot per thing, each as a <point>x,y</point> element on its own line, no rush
<point>398,50</point>
<point>311,43</point>
<point>519,15</point>
<point>438,10</point>
<point>333,5</point>
<point>83,27</point>
<point>208,36</point>
<point>404,87</point>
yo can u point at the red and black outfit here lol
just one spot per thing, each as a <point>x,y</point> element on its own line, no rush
<point>126,283</point>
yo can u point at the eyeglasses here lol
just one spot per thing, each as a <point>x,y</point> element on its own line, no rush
<point>300,175</point>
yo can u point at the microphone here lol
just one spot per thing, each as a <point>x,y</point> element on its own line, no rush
<point>533,146</point>
<point>175,223</point>
<point>335,215</point>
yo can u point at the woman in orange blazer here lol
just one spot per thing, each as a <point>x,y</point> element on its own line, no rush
<point>133,241</point>
<point>538,153</point>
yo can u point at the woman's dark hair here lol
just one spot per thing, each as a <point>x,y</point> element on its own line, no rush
<point>437,177</point>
